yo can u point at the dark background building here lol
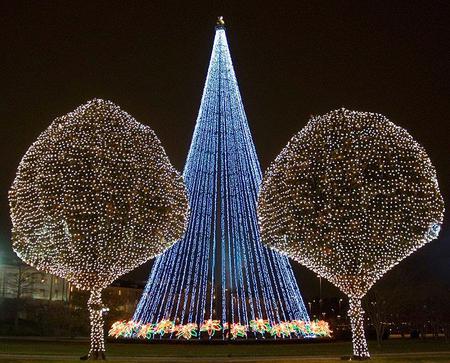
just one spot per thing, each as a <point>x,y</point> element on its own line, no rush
<point>36,303</point>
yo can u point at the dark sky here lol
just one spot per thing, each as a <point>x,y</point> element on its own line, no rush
<point>292,59</point>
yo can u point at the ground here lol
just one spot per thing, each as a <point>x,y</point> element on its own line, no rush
<point>392,351</point>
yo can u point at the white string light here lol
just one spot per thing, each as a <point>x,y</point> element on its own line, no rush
<point>349,197</point>
<point>220,271</point>
<point>94,197</point>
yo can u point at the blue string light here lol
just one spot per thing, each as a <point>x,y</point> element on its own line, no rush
<point>220,270</point>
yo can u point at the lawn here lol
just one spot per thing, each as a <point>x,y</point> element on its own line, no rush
<point>441,359</point>
<point>392,351</point>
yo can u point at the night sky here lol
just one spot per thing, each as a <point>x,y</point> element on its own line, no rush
<point>292,60</point>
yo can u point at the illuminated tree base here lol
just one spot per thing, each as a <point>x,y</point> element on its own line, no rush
<point>258,328</point>
<point>356,314</point>
<point>95,307</point>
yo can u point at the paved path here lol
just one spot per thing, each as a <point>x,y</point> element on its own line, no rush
<point>284,359</point>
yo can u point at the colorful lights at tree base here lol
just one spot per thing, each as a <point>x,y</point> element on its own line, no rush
<point>209,329</point>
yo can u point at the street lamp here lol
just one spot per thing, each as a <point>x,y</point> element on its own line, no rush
<point>320,293</point>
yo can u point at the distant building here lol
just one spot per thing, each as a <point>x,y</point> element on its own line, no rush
<point>18,280</point>
<point>122,298</point>
<point>30,299</point>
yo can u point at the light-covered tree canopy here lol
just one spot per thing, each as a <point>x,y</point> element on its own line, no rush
<point>95,196</point>
<point>350,196</point>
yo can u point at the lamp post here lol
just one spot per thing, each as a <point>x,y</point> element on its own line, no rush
<point>320,294</point>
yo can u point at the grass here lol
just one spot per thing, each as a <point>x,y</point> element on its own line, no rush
<point>373,360</point>
<point>392,351</point>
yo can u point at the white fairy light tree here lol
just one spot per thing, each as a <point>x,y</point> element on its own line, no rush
<point>94,197</point>
<point>349,197</point>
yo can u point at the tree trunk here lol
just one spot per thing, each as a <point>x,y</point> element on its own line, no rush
<point>356,314</point>
<point>97,351</point>
<point>378,333</point>
<point>18,299</point>
<point>380,329</point>
<point>50,297</point>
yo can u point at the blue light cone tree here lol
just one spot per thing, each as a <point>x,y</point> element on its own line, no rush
<point>220,270</point>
